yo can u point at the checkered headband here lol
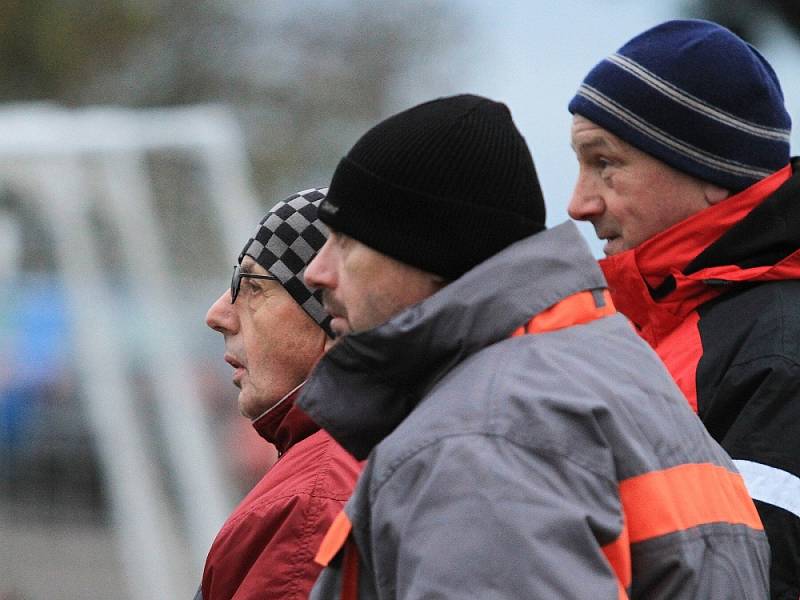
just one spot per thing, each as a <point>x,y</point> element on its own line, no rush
<point>286,241</point>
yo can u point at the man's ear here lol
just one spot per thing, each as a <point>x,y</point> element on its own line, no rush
<point>714,194</point>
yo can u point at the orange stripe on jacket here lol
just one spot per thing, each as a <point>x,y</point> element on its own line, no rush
<point>618,554</point>
<point>334,539</point>
<point>338,537</point>
<point>675,499</point>
<point>576,309</point>
<point>672,500</point>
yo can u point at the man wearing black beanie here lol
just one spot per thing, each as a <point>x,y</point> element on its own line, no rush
<point>682,139</point>
<point>522,441</point>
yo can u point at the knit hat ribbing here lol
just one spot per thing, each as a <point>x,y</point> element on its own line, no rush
<point>697,97</point>
<point>286,241</point>
<point>441,186</point>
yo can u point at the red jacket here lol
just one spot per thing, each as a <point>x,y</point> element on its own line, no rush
<point>266,548</point>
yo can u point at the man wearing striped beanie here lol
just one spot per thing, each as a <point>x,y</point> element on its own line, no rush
<point>682,141</point>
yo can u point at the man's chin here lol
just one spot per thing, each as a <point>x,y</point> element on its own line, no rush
<point>614,246</point>
<point>252,414</point>
<point>248,408</point>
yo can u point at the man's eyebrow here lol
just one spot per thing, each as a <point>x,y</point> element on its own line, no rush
<point>591,144</point>
<point>248,269</point>
<point>247,264</point>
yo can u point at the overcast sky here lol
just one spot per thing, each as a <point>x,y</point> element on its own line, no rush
<point>532,54</point>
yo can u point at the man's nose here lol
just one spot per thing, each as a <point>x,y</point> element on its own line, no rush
<point>221,316</point>
<point>585,202</point>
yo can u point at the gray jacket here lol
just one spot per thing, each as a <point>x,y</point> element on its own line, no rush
<point>555,465</point>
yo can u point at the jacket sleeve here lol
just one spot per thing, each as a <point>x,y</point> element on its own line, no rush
<point>764,441</point>
<point>267,554</point>
<point>476,516</point>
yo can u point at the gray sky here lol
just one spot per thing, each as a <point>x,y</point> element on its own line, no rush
<point>532,54</point>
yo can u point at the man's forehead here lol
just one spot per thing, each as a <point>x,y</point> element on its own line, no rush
<point>249,265</point>
<point>587,135</point>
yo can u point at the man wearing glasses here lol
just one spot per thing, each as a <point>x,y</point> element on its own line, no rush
<point>275,330</point>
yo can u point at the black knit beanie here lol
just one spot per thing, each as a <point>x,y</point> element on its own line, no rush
<point>441,186</point>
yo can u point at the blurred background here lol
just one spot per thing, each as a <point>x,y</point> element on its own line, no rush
<point>140,143</point>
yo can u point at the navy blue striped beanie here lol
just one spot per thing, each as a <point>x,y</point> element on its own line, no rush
<point>695,96</point>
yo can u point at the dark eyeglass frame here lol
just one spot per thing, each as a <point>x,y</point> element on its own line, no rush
<point>236,280</point>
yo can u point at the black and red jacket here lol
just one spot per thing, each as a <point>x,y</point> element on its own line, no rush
<point>717,296</point>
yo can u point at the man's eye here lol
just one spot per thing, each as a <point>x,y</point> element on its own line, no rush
<point>251,286</point>
<point>604,166</point>
<point>340,239</point>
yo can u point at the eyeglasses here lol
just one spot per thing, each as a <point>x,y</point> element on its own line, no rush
<point>236,280</point>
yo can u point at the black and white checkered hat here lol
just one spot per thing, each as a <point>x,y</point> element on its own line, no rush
<point>286,241</point>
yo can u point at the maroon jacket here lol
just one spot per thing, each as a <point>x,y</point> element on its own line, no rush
<point>266,548</point>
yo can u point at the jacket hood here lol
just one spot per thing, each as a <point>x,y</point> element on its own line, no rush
<point>751,236</point>
<point>370,381</point>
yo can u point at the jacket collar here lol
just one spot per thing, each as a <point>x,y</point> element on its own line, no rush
<point>370,381</point>
<point>660,281</point>
<point>285,424</point>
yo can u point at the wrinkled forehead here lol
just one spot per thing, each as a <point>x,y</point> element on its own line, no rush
<point>587,136</point>
<point>249,265</point>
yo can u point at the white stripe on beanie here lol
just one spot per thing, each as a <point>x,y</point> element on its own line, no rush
<point>701,156</point>
<point>688,100</point>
